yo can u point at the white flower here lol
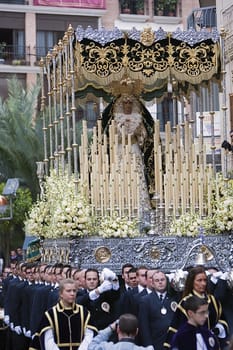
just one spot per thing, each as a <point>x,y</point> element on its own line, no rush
<point>115,226</point>
<point>62,213</point>
<point>221,219</point>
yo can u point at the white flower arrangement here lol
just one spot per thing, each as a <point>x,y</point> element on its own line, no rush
<point>62,213</point>
<point>38,219</point>
<point>190,225</point>
<point>118,227</point>
<point>221,220</point>
<point>223,205</point>
<point>223,216</point>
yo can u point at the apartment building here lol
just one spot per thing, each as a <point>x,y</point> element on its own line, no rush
<point>30,28</point>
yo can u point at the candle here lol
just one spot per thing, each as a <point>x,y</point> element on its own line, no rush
<point>111,194</point>
<point>200,187</point>
<point>101,196</point>
<point>160,182</point>
<point>92,194</point>
<point>129,195</point>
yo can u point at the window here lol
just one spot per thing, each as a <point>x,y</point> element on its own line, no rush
<point>165,112</point>
<point>209,102</point>
<point>46,41</point>
<point>165,7</point>
<point>133,6</point>
<point>91,114</point>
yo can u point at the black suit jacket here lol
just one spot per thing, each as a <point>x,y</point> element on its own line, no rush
<point>101,316</point>
<point>153,321</point>
<point>39,306</point>
<point>127,302</point>
<point>224,294</point>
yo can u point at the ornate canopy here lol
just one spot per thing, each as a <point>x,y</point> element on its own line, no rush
<point>189,58</point>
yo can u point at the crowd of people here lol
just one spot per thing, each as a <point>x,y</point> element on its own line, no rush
<point>57,306</point>
<point>16,255</point>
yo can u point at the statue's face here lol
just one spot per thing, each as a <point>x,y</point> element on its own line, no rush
<point>127,106</point>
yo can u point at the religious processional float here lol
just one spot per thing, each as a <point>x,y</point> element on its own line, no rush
<point>90,211</point>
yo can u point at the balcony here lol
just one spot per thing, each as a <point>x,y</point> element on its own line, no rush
<point>14,2</point>
<point>134,7</point>
<point>14,54</point>
<point>204,17</point>
<point>141,7</point>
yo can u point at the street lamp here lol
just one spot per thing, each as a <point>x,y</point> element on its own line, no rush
<point>6,199</point>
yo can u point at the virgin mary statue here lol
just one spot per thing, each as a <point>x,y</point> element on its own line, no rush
<point>132,118</point>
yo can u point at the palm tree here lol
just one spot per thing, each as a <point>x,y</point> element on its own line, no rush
<point>20,137</point>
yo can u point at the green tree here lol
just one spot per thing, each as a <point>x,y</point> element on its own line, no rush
<point>21,142</point>
<point>11,231</point>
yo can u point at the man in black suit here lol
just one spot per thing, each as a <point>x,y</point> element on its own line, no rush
<point>20,301</point>
<point>128,299</point>
<point>40,299</point>
<point>224,293</point>
<point>124,283</point>
<point>98,298</point>
<point>155,313</point>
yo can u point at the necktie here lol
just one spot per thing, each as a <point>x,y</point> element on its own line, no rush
<point>161,297</point>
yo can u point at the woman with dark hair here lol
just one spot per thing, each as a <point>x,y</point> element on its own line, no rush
<point>196,281</point>
<point>196,284</point>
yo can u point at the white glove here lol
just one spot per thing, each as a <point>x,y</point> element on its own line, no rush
<point>18,330</point>
<point>7,319</point>
<point>115,285</point>
<point>108,274</point>
<point>222,332</point>
<point>224,276</point>
<point>28,334</point>
<point>214,279</point>
<point>104,287</point>
<point>93,295</point>
<point>170,276</point>
<point>217,274</point>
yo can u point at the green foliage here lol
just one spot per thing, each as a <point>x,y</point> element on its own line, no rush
<point>12,233</point>
<point>140,4</point>
<point>160,5</point>
<point>170,4</point>
<point>125,4</point>
<point>22,204</point>
<point>21,142</point>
